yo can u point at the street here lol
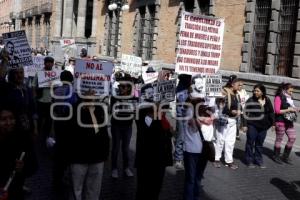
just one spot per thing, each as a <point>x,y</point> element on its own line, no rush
<point>276,182</point>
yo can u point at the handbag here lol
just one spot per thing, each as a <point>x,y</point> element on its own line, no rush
<point>208,148</point>
<point>290,116</point>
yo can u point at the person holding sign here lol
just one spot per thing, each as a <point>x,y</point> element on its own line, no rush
<point>121,123</point>
<point>44,99</point>
<point>89,148</point>
<point>17,157</point>
<point>226,124</point>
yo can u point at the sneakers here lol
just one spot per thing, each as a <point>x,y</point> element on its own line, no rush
<point>231,166</point>
<point>262,166</point>
<point>128,172</point>
<point>114,173</point>
<point>179,165</point>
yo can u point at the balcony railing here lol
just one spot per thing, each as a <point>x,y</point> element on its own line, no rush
<point>36,11</point>
<point>46,7</point>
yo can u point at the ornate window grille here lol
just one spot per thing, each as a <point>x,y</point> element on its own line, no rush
<point>260,36</point>
<point>141,31</point>
<point>286,38</point>
<point>150,33</point>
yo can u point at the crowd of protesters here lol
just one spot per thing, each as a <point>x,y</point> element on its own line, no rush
<point>80,151</point>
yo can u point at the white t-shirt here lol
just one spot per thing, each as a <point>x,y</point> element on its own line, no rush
<point>70,68</point>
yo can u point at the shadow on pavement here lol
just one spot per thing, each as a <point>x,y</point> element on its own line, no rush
<point>289,190</point>
<point>297,153</point>
<point>240,155</point>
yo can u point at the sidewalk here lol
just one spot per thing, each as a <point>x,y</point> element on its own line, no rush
<point>277,182</point>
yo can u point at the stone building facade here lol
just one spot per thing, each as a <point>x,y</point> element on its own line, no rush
<point>75,19</point>
<point>261,37</point>
<point>6,24</point>
<point>33,16</point>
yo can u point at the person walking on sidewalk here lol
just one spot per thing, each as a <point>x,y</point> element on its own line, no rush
<point>285,115</point>
<point>121,124</point>
<point>257,122</point>
<point>226,124</point>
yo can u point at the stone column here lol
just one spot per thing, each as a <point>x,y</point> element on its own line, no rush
<point>68,18</point>
<point>248,34</point>
<point>43,31</point>
<point>81,18</point>
<point>58,18</point>
<point>18,24</point>
<point>94,23</point>
<point>33,32</point>
<point>38,31</point>
<point>211,7</point>
<point>272,43</point>
<point>296,63</point>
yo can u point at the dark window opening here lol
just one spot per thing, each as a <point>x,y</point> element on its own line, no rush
<point>260,36</point>
<point>286,39</point>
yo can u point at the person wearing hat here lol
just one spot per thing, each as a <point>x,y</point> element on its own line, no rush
<point>44,99</point>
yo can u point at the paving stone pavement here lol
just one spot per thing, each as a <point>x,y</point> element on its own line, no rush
<point>276,182</point>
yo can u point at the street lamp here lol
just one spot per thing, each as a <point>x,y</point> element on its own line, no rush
<point>119,4</point>
<point>116,6</point>
<point>9,25</point>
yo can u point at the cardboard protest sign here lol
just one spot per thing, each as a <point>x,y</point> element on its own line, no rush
<point>206,86</point>
<point>163,91</point>
<point>18,49</point>
<point>214,85</point>
<point>38,65</point>
<point>200,44</point>
<point>93,75</point>
<point>68,44</point>
<point>48,78</point>
<point>131,65</point>
<point>148,77</point>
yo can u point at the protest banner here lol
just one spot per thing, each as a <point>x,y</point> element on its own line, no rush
<point>47,79</point>
<point>19,51</point>
<point>163,91</point>
<point>214,85</point>
<point>150,76</point>
<point>69,48</point>
<point>206,85</point>
<point>38,65</point>
<point>93,75</point>
<point>200,44</point>
<point>131,65</point>
<point>68,45</point>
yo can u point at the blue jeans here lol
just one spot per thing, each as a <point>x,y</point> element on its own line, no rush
<point>120,134</point>
<point>178,154</point>
<point>194,164</point>
<point>254,145</point>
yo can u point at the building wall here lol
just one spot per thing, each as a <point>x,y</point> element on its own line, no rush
<point>6,9</point>
<point>233,13</point>
<point>168,15</point>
